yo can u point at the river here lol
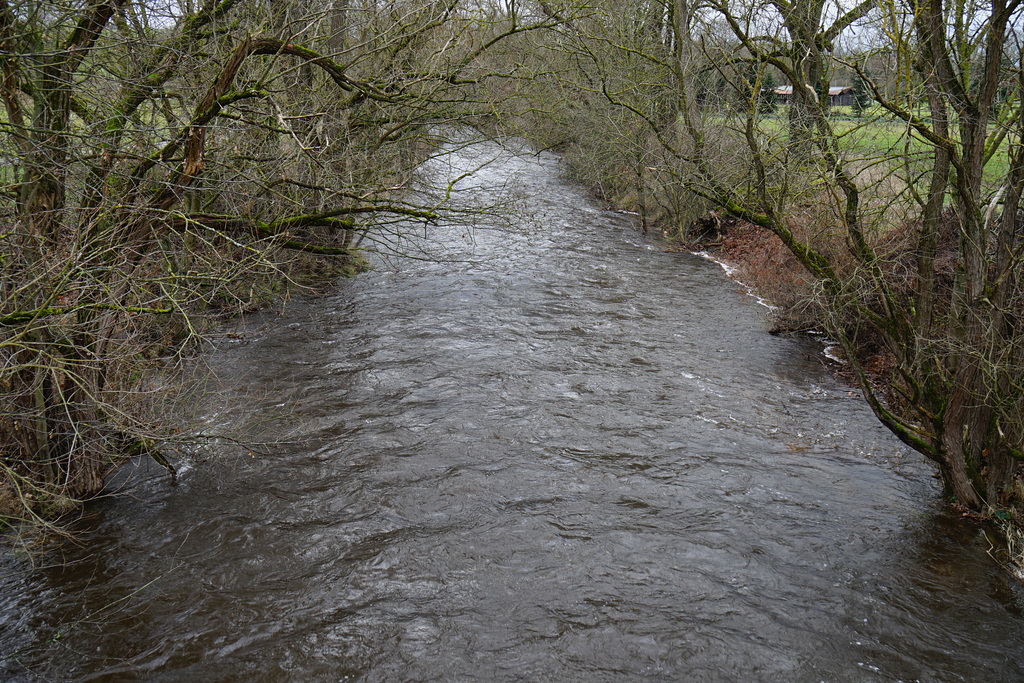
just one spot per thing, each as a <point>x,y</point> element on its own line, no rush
<point>554,453</point>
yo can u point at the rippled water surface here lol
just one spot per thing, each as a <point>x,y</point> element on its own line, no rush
<point>556,454</point>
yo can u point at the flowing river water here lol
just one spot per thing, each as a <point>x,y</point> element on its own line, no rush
<point>558,453</point>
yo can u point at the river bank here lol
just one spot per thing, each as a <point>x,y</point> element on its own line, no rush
<point>758,259</point>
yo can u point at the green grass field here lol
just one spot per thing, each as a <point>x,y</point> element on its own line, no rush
<point>876,137</point>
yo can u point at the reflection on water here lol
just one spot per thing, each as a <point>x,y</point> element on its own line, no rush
<point>557,454</point>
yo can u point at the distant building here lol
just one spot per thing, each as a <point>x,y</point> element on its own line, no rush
<point>838,95</point>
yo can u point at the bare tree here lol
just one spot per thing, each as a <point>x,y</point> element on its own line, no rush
<point>162,158</point>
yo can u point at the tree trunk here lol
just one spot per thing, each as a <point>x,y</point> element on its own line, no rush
<point>810,89</point>
<point>42,198</point>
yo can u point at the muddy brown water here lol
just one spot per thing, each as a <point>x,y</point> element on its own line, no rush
<point>556,453</point>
